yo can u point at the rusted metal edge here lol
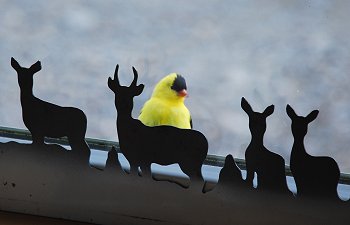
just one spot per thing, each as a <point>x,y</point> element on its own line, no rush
<point>105,145</point>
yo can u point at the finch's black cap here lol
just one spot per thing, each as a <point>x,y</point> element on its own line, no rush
<point>179,83</point>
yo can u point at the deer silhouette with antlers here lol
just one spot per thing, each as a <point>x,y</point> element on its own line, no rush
<point>143,145</point>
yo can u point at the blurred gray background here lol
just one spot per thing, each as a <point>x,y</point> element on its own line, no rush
<point>270,51</point>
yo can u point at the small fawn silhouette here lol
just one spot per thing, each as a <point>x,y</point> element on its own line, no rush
<point>230,177</point>
<point>44,119</point>
<point>165,145</point>
<point>269,166</point>
<point>314,176</point>
<point>230,174</point>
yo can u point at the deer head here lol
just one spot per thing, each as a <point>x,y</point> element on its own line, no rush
<point>124,95</point>
<point>300,123</point>
<point>25,75</point>
<point>257,120</point>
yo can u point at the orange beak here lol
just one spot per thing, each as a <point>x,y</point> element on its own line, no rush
<point>182,93</point>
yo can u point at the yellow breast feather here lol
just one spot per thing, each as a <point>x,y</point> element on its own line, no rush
<point>166,106</point>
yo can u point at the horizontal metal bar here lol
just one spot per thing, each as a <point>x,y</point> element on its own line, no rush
<point>99,144</point>
<point>23,134</point>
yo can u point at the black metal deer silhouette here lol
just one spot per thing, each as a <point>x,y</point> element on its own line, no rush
<point>230,175</point>
<point>143,145</point>
<point>44,119</point>
<point>314,176</point>
<point>269,166</point>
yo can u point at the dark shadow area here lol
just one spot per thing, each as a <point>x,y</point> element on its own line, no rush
<point>315,177</point>
<point>44,119</point>
<point>164,145</point>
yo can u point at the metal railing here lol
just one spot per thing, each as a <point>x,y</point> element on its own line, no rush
<point>105,145</point>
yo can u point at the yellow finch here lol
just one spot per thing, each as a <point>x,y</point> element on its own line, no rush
<point>166,105</point>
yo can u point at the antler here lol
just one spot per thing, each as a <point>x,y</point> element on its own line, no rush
<point>113,84</point>
<point>136,76</point>
<point>116,79</point>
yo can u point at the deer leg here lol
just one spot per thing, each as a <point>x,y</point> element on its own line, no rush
<point>78,144</point>
<point>146,170</point>
<point>38,139</point>
<point>133,169</point>
<point>79,148</point>
<point>250,174</point>
<point>194,172</point>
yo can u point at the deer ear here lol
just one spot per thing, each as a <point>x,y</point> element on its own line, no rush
<point>139,89</point>
<point>15,64</point>
<point>290,112</point>
<point>269,110</point>
<point>111,84</point>
<point>312,116</point>
<point>245,106</point>
<point>35,67</point>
